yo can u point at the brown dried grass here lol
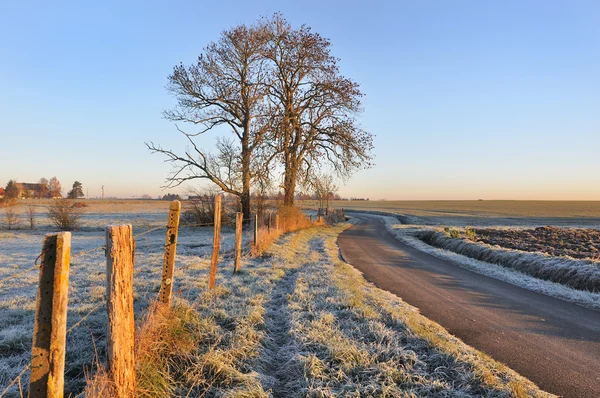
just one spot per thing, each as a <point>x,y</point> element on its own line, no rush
<point>290,219</point>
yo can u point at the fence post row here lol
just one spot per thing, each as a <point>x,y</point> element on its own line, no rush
<point>166,286</point>
<point>119,296</point>
<point>50,327</point>
<point>239,218</point>
<point>216,243</point>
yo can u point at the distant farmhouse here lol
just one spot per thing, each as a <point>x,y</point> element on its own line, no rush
<point>33,191</point>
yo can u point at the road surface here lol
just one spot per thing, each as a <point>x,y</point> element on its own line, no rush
<point>553,343</point>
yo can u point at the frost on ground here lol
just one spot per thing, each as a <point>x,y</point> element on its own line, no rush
<point>86,342</point>
<point>580,274</point>
<point>496,262</point>
<point>300,322</point>
<point>296,322</point>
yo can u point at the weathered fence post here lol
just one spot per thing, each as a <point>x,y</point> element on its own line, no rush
<point>166,286</point>
<point>255,229</point>
<point>239,218</point>
<point>216,243</point>
<point>269,223</point>
<point>119,304</point>
<point>277,223</point>
<point>50,327</point>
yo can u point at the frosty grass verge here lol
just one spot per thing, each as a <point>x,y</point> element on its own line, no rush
<point>408,234</point>
<point>295,323</point>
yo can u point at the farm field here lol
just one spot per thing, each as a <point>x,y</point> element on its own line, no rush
<point>485,213</point>
<point>295,322</point>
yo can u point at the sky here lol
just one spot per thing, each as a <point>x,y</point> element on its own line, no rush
<point>466,99</point>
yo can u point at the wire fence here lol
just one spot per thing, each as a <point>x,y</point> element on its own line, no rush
<point>245,250</point>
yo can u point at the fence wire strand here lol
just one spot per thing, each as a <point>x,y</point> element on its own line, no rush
<point>15,275</point>
<point>18,378</point>
<point>97,307</point>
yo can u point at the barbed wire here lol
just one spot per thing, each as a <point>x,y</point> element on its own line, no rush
<point>17,274</point>
<point>84,252</point>
<point>97,307</point>
<point>25,369</point>
<point>244,251</point>
<point>149,231</point>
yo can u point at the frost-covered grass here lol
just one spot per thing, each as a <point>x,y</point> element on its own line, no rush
<point>576,273</point>
<point>412,235</point>
<point>85,343</point>
<point>299,322</point>
<point>295,322</point>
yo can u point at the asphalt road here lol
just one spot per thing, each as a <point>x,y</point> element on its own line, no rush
<point>553,343</point>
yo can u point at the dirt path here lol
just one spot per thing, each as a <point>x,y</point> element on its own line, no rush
<point>554,343</point>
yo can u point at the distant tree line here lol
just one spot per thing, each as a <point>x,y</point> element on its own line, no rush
<point>291,113</point>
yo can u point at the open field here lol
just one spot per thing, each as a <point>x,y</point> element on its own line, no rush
<point>573,242</point>
<point>296,322</point>
<point>133,206</point>
<point>20,248</point>
<point>486,212</point>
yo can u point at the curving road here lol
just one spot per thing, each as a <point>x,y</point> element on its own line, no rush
<point>553,343</point>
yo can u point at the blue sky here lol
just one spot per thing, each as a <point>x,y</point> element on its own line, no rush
<point>467,99</point>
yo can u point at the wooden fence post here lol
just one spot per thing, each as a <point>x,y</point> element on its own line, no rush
<point>216,243</point>
<point>269,223</point>
<point>50,327</point>
<point>277,223</point>
<point>166,286</point>
<point>255,229</point>
<point>119,304</point>
<point>239,218</point>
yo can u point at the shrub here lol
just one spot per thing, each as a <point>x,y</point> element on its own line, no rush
<point>31,216</point>
<point>11,219</point>
<point>201,210</point>
<point>65,215</point>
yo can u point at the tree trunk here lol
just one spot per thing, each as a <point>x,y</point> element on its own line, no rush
<point>246,176</point>
<point>289,185</point>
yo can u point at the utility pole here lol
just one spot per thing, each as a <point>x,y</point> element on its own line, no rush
<point>102,192</point>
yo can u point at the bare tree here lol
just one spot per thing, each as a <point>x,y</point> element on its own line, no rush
<point>224,87</point>
<point>55,188</point>
<point>11,219</point>
<point>323,187</point>
<point>31,216</point>
<point>44,191</point>
<point>316,107</point>
<point>65,214</point>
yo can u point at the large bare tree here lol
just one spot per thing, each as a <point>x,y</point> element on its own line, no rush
<point>316,107</point>
<point>225,87</point>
